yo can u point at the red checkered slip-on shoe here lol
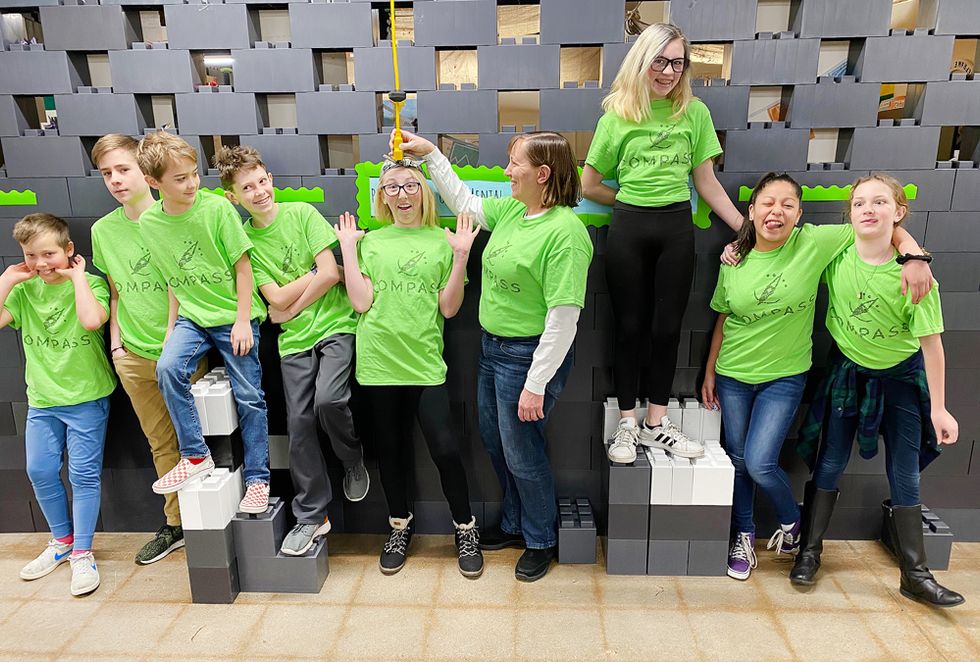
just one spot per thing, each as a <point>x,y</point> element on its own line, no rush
<point>256,499</point>
<point>185,472</point>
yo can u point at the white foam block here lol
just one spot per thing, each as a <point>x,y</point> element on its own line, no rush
<point>682,481</point>
<point>710,425</point>
<point>661,476</point>
<point>198,390</point>
<point>221,408</point>
<point>691,418</point>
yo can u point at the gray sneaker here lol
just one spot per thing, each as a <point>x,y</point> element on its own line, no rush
<point>302,537</point>
<point>356,482</point>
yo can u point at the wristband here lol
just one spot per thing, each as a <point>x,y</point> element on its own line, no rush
<point>902,259</point>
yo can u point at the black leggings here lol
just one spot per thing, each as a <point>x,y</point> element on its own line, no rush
<point>649,269</point>
<point>393,412</point>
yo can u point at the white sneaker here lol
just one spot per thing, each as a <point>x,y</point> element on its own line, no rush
<point>53,555</point>
<point>623,447</point>
<point>669,437</point>
<point>84,574</point>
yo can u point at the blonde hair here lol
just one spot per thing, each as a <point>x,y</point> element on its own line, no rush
<point>32,225</point>
<point>629,96</point>
<point>553,150</point>
<point>159,150</point>
<point>112,141</point>
<point>383,213</point>
<point>897,191</point>
<point>232,160</point>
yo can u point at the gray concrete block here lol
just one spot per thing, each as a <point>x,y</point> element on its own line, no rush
<point>98,114</point>
<point>525,67</point>
<point>468,111</point>
<point>690,522</point>
<point>715,20</point>
<point>707,558</point>
<point>625,557</point>
<point>286,574</point>
<point>775,61</point>
<point>339,191</point>
<point>210,26</point>
<point>627,521</point>
<point>214,585</point>
<point>89,197</point>
<point>210,548</point>
<point>284,70</point>
<point>288,154</point>
<point>833,105</point>
<point>966,190</point>
<point>906,58</point>
<point>52,197</point>
<point>333,25</point>
<point>950,103</point>
<point>336,112</point>
<point>582,21</point>
<point>570,109</point>
<point>895,147</point>
<point>217,113</point>
<point>88,28</point>
<point>158,71</point>
<point>841,18</point>
<point>38,72</point>
<point>729,104</point>
<point>667,558</point>
<point>14,113</point>
<point>956,17</point>
<point>416,68</point>
<point>452,23</point>
<point>45,156</point>
<point>260,535</point>
<point>760,149</point>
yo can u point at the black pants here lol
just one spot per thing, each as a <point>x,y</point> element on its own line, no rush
<point>394,410</point>
<point>649,269</point>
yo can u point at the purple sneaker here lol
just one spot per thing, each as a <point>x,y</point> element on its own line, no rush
<point>741,557</point>
<point>786,542</point>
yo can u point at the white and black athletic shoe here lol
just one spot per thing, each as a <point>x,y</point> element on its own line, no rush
<point>669,437</point>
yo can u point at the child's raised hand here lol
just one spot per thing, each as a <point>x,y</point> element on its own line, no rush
<point>347,230</point>
<point>947,429</point>
<point>18,273</point>
<point>412,145</point>
<point>75,268</point>
<point>462,239</point>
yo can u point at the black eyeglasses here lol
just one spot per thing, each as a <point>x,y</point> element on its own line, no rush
<point>410,188</point>
<point>678,64</point>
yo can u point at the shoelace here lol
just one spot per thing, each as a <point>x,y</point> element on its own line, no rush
<point>355,472</point>
<point>675,433</point>
<point>468,542</point>
<point>778,538</point>
<point>742,550</point>
<point>85,560</point>
<point>625,435</point>
<point>397,541</point>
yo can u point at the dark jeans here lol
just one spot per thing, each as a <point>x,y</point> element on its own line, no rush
<point>901,427</point>
<point>757,418</point>
<point>394,409</point>
<point>517,448</point>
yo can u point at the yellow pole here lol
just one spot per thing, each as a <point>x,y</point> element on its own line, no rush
<point>397,96</point>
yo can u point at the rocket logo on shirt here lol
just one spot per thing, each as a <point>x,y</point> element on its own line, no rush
<point>766,295</point>
<point>288,259</point>
<point>659,140</point>
<point>408,267</point>
<point>53,319</point>
<point>496,252</point>
<point>140,266</point>
<point>864,308</point>
<point>185,258</point>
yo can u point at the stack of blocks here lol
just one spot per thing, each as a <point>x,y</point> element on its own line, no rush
<point>670,515</point>
<point>215,403</point>
<point>576,532</point>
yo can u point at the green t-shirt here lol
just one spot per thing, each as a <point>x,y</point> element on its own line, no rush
<point>531,265</point>
<point>769,299</point>
<point>399,339</point>
<point>65,364</point>
<point>873,323</point>
<point>196,254</point>
<point>653,160</point>
<point>118,250</point>
<point>284,251</point>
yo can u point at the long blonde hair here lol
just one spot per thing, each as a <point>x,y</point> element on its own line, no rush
<point>383,212</point>
<point>629,96</point>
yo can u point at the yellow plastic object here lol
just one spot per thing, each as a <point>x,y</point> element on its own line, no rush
<point>396,150</point>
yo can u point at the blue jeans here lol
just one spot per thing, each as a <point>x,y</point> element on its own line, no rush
<point>757,418</point>
<point>901,427</point>
<point>187,345</point>
<point>80,428</point>
<point>517,449</point>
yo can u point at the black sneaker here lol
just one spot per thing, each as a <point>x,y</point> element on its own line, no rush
<point>395,551</point>
<point>494,538</point>
<point>470,558</point>
<point>534,564</point>
<point>166,540</point>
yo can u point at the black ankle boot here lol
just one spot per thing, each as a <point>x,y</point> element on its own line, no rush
<point>917,582</point>
<point>818,506</point>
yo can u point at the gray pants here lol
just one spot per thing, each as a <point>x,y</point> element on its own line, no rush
<point>317,389</point>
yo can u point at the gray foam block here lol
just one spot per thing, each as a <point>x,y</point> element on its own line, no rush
<point>571,109</point>
<point>159,71</point>
<point>690,522</point>
<point>760,149</point>
<point>89,197</point>
<point>452,23</point>
<point>953,231</point>
<point>895,147</point>
<point>625,557</point>
<point>14,112</point>
<point>841,18</point>
<point>339,191</point>
<point>667,558</point>
<point>99,114</point>
<point>907,58</point>
<point>217,113</point>
<point>87,28</point>
<point>210,548</point>
<point>284,70</point>
<point>286,574</point>
<point>37,72</point>
<point>52,197</point>
<point>950,103</point>
<point>707,558</point>
<point>629,483</point>
<point>729,104</point>
<point>956,17</point>
<point>834,105</point>
<point>45,156</point>
<point>260,535</point>
<point>288,154</point>
<point>333,25</point>
<point>966,190</point>
<point>582,21</point>
<point>209,26</point>
<point>214,585</point>
<point>627,521</point>
<point>576,544</point>
<point>467,111</point>
<point>775,61</point>
<point>525,67</point>
<point>416,68</point>
<point>612,58</point>
<point>715,20</point>
<point>336,112</point>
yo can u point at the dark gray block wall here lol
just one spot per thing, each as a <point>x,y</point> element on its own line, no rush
<point>946,211</point>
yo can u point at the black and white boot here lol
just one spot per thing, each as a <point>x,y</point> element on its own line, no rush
<point>395,551</point>
<point>470,558</point>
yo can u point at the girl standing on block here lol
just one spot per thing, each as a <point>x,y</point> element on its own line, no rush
<point>761,350</point>
<point>653,139</point>
<point>535,267</point>
<point>888,375</point>
<point>405,280</point>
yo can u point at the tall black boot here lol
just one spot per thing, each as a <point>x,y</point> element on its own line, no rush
<point>917,582</point>
<point>818,506</point>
